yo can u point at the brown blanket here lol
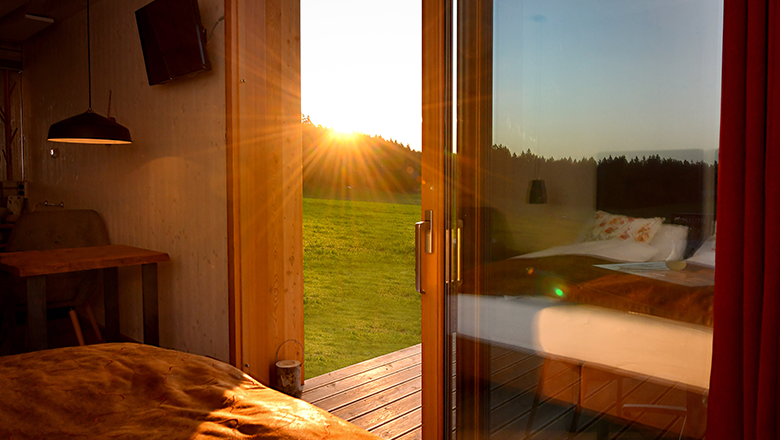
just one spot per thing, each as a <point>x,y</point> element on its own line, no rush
<point>580,282</point>
<point>140,391</point>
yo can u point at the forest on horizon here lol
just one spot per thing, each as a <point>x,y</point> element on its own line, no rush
<point>334,162</point>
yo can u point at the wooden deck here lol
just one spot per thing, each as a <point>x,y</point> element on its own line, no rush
<point>615,407</point>
<point>383,395</point>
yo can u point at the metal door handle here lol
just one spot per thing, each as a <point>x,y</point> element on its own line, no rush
<point>459,253</point>
<point>420,228</point>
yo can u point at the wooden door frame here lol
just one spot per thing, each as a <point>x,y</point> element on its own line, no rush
<point>257,237</point>
<point>436,128</point>
<point>264,182</point>
<point>474,140</point>
<point>475,111</point>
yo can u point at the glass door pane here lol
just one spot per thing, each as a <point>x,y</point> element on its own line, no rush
<point>585,178</point>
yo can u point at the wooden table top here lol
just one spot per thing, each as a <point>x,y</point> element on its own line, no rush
<point>33,263</point>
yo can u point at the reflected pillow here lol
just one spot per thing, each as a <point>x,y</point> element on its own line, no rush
<point>612,226</point>
<point>671,241</point>
<point>614,249</point>
<point>705,255</point>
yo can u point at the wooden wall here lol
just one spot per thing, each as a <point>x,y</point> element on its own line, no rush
<point>10,82</point>
<point>166,191</point>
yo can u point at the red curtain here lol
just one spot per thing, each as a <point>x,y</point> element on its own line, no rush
<point>743,401</point>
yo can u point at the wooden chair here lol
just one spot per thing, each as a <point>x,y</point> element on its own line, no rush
<point>44,230</point>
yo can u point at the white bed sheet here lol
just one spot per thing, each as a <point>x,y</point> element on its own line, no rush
<point>647,345</point>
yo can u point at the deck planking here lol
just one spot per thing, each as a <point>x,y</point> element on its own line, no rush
<point>383,396</point>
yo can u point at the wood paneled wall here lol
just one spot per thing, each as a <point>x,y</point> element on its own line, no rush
<point>11,105</point>
<point>264,182</point>
<point>167,190</point>
<point>225,138</point>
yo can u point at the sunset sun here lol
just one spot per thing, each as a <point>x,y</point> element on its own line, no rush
<point>343,134</point>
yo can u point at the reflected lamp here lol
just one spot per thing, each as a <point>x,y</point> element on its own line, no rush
<point>537,192</point>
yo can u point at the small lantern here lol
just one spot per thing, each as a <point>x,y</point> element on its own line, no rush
<point>288,373</point>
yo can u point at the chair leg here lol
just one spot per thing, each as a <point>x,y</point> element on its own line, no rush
<point>578,404</point>
<point>76,326</point>
<point>7,327</point>
<point>92,321</point>
<point>537,398</point>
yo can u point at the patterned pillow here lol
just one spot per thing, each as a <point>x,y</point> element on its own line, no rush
<point>608,226</point>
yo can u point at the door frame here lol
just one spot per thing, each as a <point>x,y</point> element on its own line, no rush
<point>474,60</point>
<point>436,130</point>
<point>264,183</point>
<point>454,181</point>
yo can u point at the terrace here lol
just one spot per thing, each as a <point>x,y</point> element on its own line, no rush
<point>383,396</point>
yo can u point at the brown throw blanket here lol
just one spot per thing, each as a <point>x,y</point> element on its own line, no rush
<point>140,391</point>
<point>580,282</point>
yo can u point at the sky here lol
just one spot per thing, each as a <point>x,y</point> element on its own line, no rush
<point>589,78</point>
<point>572,78</point>
<point>361,64</point>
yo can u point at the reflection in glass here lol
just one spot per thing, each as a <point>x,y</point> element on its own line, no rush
<point>589,311</point>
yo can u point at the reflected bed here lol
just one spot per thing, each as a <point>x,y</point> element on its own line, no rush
<point>586,309</point>
<point>669,350</point>
<point>610,304</point>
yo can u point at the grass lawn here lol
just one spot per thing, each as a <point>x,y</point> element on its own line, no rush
<point>364,195</point>
<point>359,296</point>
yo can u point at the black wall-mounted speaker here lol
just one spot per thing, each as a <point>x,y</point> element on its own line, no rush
<point>173,40</point>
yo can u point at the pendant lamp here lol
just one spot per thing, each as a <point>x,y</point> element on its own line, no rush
<point>89,127</point>
<point>537,192</point>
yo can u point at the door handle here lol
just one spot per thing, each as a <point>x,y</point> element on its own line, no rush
<point>424,227</point>
<point>459,253</point>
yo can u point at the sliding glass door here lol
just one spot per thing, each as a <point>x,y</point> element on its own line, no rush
<point>579,222</point>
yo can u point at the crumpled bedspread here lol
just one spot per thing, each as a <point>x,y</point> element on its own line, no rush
<point>141,391</point>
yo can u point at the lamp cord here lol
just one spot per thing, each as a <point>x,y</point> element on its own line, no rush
<point>538,96</point>
<point>89,61</point>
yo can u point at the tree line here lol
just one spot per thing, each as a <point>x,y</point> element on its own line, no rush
<point>333,161</point>
<point>619,183</point>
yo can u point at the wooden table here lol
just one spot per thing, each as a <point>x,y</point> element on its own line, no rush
<point>35,265</point>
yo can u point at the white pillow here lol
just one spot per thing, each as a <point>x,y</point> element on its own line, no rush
<point>705,255</point>
<point>614,249</point>
<point>609,226</point>
<point>670,240</point>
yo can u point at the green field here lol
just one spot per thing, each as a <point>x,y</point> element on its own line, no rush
<point>363,195</point>
<point>359,296</point>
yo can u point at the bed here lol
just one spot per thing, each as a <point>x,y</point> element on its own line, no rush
<point>607,302</point>
<point>140,391</point>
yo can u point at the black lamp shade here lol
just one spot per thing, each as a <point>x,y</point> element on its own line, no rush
<point>537,193</point>
<point>89,128</point>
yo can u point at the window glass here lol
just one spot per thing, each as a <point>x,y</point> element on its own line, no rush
<point>595,300</point>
